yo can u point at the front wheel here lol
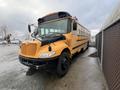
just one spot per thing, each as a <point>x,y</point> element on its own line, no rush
<point>63,64</point>
<point>31,71</point>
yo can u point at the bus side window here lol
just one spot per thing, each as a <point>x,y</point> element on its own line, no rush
<point>74,26</point>
<point>81,32</point>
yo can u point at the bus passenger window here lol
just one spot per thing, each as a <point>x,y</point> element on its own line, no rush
<point>74,26</point>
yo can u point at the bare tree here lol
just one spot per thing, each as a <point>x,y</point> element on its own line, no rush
<point>3,32</point>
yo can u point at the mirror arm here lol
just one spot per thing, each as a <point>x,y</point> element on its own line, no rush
<point>29,28</point>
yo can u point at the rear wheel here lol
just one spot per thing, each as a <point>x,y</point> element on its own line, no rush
<point>87,45</point>
<point>63,64</point>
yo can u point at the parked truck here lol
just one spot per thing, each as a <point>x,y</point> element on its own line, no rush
<point>56,39</point>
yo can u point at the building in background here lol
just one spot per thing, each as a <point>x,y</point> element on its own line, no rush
<point>108,46</point>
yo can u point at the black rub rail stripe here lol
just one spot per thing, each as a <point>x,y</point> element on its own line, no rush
<point>78,46</point>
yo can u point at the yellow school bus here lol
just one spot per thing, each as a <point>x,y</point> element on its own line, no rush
<point>56,39</point>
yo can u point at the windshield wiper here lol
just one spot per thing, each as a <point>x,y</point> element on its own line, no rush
<point>53,34</point>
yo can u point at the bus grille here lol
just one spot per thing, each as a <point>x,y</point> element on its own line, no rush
<point>29,49</point>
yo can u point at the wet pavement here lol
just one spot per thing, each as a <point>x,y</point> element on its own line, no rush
<point>84,73</point>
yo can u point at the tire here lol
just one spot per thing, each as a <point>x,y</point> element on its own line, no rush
<point>63,64</point>
<point>82,50</point>
<point>87,45</point>
<point>31,71</point>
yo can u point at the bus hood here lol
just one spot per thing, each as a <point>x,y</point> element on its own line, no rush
<point>30,48</point>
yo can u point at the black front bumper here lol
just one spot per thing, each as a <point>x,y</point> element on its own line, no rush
<point>38,63</point>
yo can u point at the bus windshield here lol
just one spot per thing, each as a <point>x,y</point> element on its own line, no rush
<point>52,27</point>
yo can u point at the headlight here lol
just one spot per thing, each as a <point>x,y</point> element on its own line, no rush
<point>47,55</point>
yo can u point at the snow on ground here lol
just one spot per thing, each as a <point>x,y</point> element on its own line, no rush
<point>84,74</point>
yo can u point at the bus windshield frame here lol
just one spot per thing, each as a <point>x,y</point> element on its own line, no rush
<point>59,26</point>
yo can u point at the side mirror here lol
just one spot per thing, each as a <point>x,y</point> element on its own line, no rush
<point>29,28</point>
<point>74,26</point>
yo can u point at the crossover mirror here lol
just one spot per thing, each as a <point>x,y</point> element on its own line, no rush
<point>29,28</point>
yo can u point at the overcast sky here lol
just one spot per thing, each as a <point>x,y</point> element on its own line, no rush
<point>16,14</point>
